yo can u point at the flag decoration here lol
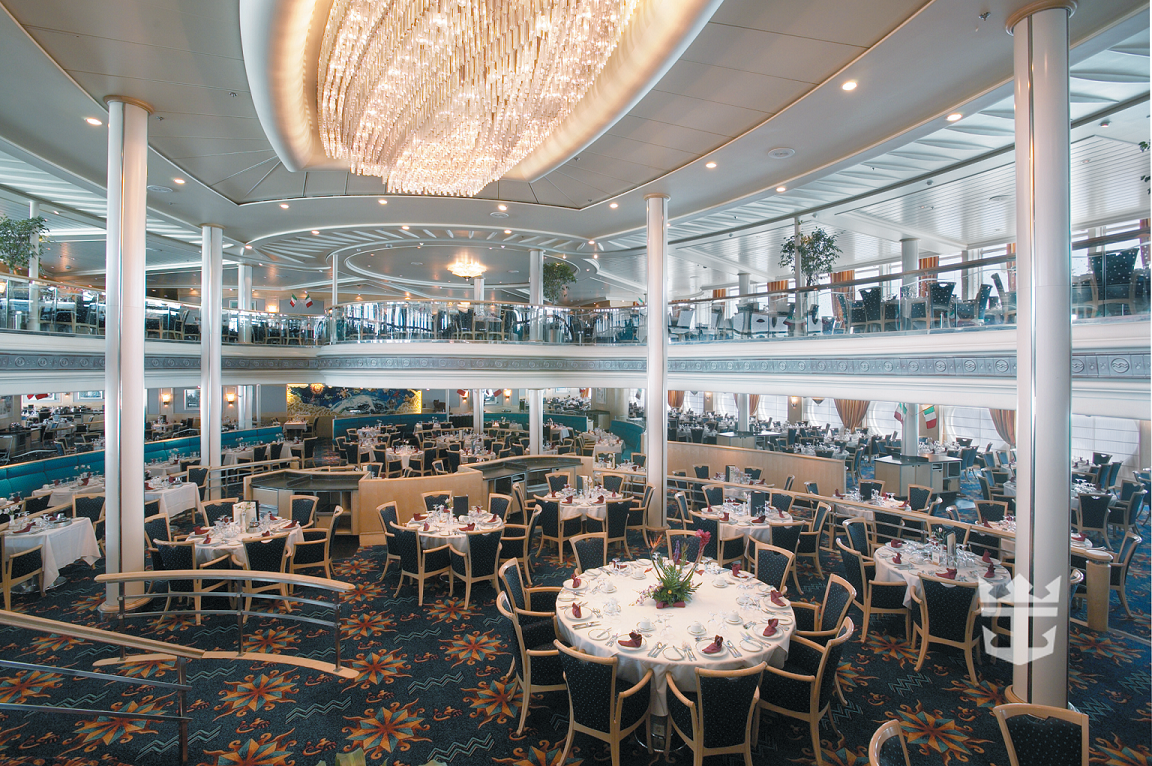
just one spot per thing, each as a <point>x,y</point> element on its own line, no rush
<point>901,411</point>
<point>307,301</point>
<point>292,300</point>
<point>930,416</point>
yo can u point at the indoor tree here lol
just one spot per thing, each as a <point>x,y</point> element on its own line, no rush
<point>16,234</point>
<point>818,254</point>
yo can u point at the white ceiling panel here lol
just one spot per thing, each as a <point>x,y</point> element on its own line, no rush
<point>734,87</point>
<point>768,53</point>
<point>858,24</point>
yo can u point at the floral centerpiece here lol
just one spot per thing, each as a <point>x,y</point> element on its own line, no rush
<point>674,583</point>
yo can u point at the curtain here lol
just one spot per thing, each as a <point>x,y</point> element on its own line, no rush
<point>675,399</point>
<point>926,282</point>
<point>852,412</point>
<point>842,276</point>
<point>753,403</point>
<point>1005,422</point>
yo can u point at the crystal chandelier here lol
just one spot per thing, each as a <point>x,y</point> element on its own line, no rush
<point>446,96</point>
<point>464,266</point>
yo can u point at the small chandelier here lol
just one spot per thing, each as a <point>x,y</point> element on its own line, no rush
<point>467,268</point>
<point>446,97</point>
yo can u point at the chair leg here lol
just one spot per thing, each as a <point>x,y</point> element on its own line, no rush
<point>420,590</point>
<point>923,651</point>
<point>399,585</point>
<point>814,726</point>
<point>971,667</point>
<point>1124,601</point>
<point>864,622</point>
<point>467,592</point>
<point>567,742</point>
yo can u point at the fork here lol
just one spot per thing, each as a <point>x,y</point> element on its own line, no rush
<point>659,648</point>
<point>612,638</point>
<point>732,648</point>
<point>688,650</point>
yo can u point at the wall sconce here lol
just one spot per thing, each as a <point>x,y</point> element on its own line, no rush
<point>507,393</point>
<point>166,397</point>
<point>230,397</point>
<point>794,400</point>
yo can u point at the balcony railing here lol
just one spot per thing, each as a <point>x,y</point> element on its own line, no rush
<point>977,295</point>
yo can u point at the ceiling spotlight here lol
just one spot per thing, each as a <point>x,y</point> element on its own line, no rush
<point>93,122</point>
<point>613,205</point>
<point>501,208</point>
<point>781,189</point>
<point>781,153</point>
<point>507,231</point>
<point>315,232</point>
<point>954,117</point>
<point>710,165</point>
<point>850,85</point>
<point>1105,123</point>
<point>284,205</point>
<point>178,181</point>
<point>591,242</point>
<point>247,247</point>
<point>404,227</point>
<point>382,201</point>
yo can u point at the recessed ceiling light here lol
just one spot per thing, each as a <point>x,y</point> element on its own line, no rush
<point>417,263</point>
<point>315,232</point>
<point>591,242</point>
<point>94,122</point>
<point>382,201</point>
<point>781,153</point>
<point>850,85</point>
<point>283,205</point>
<point>613,205</point>
<point>781,189</point>
<point>954,117</point>
<point>501,208</point>
<point>710,165</point>
<point>596,256</point>
<point>247,247</point>
<point>178,181</point>
<point>507,231</point>
<point>1105,123</point>
<point>405,227</point>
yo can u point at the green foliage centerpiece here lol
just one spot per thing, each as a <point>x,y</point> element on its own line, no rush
<point>674,584</point>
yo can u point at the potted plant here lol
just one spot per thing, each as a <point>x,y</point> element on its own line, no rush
<point>674,584</point>
<point>557,275</point>
<point>16,236</point>
<point>818,254</point>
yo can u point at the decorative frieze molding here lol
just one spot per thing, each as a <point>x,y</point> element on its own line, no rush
<point>485,364</point>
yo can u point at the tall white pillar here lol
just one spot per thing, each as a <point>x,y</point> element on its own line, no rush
<point>657,373</point>
<point>799,323</point>
<point>244,300</point>
<point>909,260</point>
<point>910,433</point>
<point>1043,349</point>
<point>478,288</point>
<point>211,394</point>
<point>535,291</point>
<point>335,297</point>
<point>124,394</point>
<point>34,274</point>
<point>742,405</point>
<point>478,410</point>
<point>535,420</point>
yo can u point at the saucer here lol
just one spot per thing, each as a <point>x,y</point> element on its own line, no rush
<point>700,632</point>
<point>608,588</point>
<point>718,583</point>
<point>730,621</point>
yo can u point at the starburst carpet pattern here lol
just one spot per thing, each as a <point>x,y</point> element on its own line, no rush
<point>430,686</point>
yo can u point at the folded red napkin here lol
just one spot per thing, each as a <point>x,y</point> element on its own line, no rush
<point>553,494</point>
<point>267,534</point>
<point>634,640</point>
<point>904,504</point>
<point>716,645</point>
<point>759,519</point>
<point>600,499</point>
<point>837,493</point>
<point>568,501</point>
<point>494,518</point>
<point>471,526</point>
<point>896,559</point>
<point>770,628</point>
<point>735,568</point>
<point>199,530</point>
<point>25,529</point>
<point>985,524</point>
<point>419,516</point>
<point>991,571</point>
<point>274,517</point>
<point>987,557</point>
<point>577,612</point>
<point>1079,538</point>
<point>776,599</point>
<point>896,543</point>
<point>207,541</point>
<point>425,526</point>
<point>948,575</point>
<point>724,516</point>
<point>575,582</point>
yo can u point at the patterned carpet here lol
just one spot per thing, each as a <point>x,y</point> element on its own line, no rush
<point>429,689</point>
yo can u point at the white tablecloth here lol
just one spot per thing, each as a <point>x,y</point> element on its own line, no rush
<point>230,456</point>
<point>910,570</point>
<point>451,533</point>
<point>403,457</point>
<point>63,494</point>
<point>218,547</point>
<point>708,606</point>
<point>176,499</point>
<point>162,469</point>
<point>584,505</point>
<point>743,527</point>
<point>62,545</point>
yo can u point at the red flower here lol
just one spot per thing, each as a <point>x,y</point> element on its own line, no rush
<point>704,536</point>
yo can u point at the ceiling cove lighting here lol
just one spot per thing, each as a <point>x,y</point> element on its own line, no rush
<point>444,98</point>
<point>93,122</point>
<point>850,85</point>
<point>954,117</point>
<point>466,267</point>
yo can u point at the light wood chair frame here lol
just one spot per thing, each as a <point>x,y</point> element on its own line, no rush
<point>1013,709</point>
<point>468,577</point>
<point>524,661</point>
<point>757,546</point>
<point>6,571</point>
<point>421,575</point>
<point>863,600</point>
<point>326,543</point>
<point>280,587</point>
<point>886,732</point>
<point>576,551</point>
<point>923,632</point>
<point>695,709</point>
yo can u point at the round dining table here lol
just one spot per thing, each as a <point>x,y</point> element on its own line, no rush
<point>740,523</point>
<point>914,561</point>
<point>233,543</point>
<point>612,605</point>
<point>454,531</point>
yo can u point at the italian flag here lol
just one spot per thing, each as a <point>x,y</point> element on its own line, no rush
<point>307,301</point>
<point>901,411</point>
<point>930,416</point>
<point>292,301</point>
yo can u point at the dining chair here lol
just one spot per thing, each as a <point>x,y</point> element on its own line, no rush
<point>802,688</point>
<point>478,563</point>
<point>1093,516</point>
<point>499,505</point>
<point>723,549</point>
<point>91,507</point>
<point>536,664</point>
<point>713,495</point>
<point>944,612</point>
<point>1118,569</point>
<point>388,516</point>
<point>781,501</point>
<point>613,482</point>
<point>679,512</point>
<point>870,488</point>
<point>615,524</point>
<point>920,497</point>
<point>809,544</point>
<point>940,294</point>
<point>989,511</point>
<point>861,536</point>
<point>822,622</point>
<point>260,453</point>
<point>771,565</point>
<point>597,707</point>
<point>1039,735</point>
<point>708,717</point>
<point>267,554</point>
<point>529,603</point>
<point>591,551</point>
<point>182,555</point>
<point>887,526</point>
<point>1123,515</point>
<point>638,459</point>
<point>880,753</point>
<point>872,596</point>
<point>437,499</point>
<point>214,510</point>
<point>157,529</point>
<point>417,563</point>
<point>686,539</point>
<point>19,567</point>
<point>557,481</point>
<point>514,544</point>
<point>373,469</point>
<point>553,529</point>
<point>32,505</point>
<point>314,551</point>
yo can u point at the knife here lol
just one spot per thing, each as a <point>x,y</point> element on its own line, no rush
<point>582,625</point>
<point>688,649</point>
<point>657,650</point>
<point>732,648</point>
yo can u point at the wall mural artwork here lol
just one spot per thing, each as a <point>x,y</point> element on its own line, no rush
<point>318,399</point>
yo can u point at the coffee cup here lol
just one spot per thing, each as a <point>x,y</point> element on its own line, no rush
<point>733,617</point>
<point>696,627</point>
<point>645,624</point>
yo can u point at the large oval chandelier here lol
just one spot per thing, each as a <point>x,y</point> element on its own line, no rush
<point>445,96</point>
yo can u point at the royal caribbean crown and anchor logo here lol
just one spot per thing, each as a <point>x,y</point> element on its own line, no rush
<point>1004,600</point>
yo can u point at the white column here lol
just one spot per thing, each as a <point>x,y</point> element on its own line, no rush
<point>742,403</point>
<point>478,410</point>
<point>211,394</point>
<point>909,260</point>
<point>535,420</point>
<point>910,432</point>
<point>124,342</point>
<point>657,374</point>
<point>244,299</point>
<point>478,288</point>
<point>34,274</point>
<point>535,290</point>
<point>335,297</point>
<point>256,405</point>
<point>1043,350</point>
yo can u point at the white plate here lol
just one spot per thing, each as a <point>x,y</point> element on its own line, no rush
<point>599,634</point>
<point>568,585</point>
<point>608,588</point>
<point>630,649</point>
<point>638,575</point>
<point>718,583</point>
<point>730,621</point>
<point>679,654</point>
<point>566,597</point>
<point>751,644</point>
<point>706,642</point>
<point>698,633</point>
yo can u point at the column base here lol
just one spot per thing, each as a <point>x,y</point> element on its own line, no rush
<point>1011,695</point>
<point>131,604</point>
